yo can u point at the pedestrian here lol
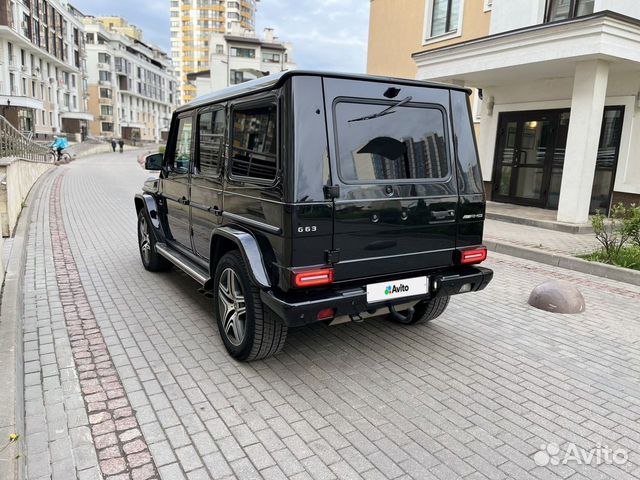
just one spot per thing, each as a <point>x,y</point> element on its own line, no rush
<point>121,143</point>
<point>113,144</point>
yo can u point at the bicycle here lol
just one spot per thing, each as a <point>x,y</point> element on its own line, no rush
<point>52,156</point>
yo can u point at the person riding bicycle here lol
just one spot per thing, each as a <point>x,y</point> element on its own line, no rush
<point>59,144</point>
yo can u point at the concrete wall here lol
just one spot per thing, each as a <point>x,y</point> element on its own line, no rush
<point>19,176</point>
<point>512,14</point>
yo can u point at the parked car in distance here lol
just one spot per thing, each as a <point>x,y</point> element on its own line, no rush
<point>305,196</point>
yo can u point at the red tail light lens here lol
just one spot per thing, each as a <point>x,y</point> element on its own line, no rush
<point>473,255</point>
<point>326,314</point>
<point>313,278</point>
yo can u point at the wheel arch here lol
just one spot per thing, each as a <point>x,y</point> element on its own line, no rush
<point>225,239</point>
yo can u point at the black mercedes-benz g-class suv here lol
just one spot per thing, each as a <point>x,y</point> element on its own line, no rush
<point>305,196</point>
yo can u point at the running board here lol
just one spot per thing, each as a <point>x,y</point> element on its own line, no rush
<point>183,263</point>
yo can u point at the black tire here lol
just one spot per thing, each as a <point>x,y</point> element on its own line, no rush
<point>425,311</point>
<point>151,260</point>
<point>261,333</point>
<point>65,158</point>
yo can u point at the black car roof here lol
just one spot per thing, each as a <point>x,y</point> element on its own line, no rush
<point>277,79</point>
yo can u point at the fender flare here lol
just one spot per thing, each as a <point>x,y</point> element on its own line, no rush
<point>249,250</point>
<point>148,202</point>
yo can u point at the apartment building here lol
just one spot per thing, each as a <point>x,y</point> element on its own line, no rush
<point>131,84</point>
<point>559,86</point>
<point>192,23</point>
<point>241,56</point>
<point>43,89</point>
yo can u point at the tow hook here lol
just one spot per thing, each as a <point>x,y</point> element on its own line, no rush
<point>356,318</point>
<point>399,317</point>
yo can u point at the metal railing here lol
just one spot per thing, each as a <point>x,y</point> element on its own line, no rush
<point>15,144</point>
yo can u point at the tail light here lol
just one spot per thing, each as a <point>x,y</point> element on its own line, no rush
<point>473,255</point>
<point>313,278</point>
<point>326,314</point>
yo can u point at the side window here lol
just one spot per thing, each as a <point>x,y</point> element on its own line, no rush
<point>210,142</point>
<point>179,164</point>
<point>254,143</point>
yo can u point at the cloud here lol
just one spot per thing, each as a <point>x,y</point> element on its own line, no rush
<point>326,34</point>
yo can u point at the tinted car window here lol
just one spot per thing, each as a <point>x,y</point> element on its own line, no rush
<point>182,156</point>
<point>210,142</point>
<point>406,143</point>
<point>469,175</point>
<point>254,143</point>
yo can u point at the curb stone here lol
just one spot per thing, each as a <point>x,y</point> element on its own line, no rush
<point>565,261</point>
<point>11,344</point>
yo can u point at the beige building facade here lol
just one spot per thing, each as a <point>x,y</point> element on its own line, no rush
<point>558,92</point>
<point>399,28</point>
<point>132,86</point>
<point>42,80</point>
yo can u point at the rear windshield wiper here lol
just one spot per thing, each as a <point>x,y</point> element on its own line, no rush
<point>387,111</point>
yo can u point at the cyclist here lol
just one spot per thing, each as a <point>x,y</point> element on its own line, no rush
<point>59,144</point>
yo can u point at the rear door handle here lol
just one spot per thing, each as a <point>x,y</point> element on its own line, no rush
<point>184,201</point>
<point>444,215</point>
<point>216,211</point>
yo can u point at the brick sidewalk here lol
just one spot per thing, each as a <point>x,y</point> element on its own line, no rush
<point>472,395</point>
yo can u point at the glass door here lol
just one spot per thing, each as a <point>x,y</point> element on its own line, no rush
<point>525,147</point>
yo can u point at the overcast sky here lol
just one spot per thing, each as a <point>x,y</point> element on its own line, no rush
<point>327,34</point>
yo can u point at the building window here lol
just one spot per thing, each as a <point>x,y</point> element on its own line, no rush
<point>271,57</point>
<point>236,77</point>
<point>105,76</point>
<point>445,17</point>
<point>243,52</point>
<point>565,9</point>
<point>105,93</point>
<point>254,143</point>
<point>106,110</point>
<point>219,49</point>
<point>104,58</point>
<point>107,126</point>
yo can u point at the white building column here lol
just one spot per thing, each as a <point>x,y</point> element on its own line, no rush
<point>587,110</point>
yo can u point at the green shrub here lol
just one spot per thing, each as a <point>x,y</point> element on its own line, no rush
<point>619,237</point>
<point>627,257</point>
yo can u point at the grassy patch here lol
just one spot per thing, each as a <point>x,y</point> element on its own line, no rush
<point>627,257</point>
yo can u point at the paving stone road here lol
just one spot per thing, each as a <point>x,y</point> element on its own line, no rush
<point>473,395</point>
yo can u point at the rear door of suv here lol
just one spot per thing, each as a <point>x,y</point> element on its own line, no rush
<point>391,159</point>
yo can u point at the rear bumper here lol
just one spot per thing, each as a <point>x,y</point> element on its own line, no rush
<point>353,300</point>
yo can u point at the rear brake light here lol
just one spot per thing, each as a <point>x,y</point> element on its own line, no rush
<point>313,278</point>
<point>474,255</point>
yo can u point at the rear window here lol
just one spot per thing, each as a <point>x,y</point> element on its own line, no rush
<point>406,143</point>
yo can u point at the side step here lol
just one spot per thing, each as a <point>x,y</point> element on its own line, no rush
<point>192,269</point>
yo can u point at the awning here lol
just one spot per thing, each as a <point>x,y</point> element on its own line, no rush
<point>536,52</point>
<point>77,116</point>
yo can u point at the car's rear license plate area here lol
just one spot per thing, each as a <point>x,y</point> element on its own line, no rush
<point>393,290</point>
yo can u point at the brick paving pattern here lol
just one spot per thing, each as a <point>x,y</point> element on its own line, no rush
<point>472,395</point>
<point>122,452</point>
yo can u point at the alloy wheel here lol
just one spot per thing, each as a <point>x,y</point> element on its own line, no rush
<point>233,310</point>
<point>145,241</point>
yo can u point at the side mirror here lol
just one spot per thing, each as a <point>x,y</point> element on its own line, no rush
<point>154,161</point>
